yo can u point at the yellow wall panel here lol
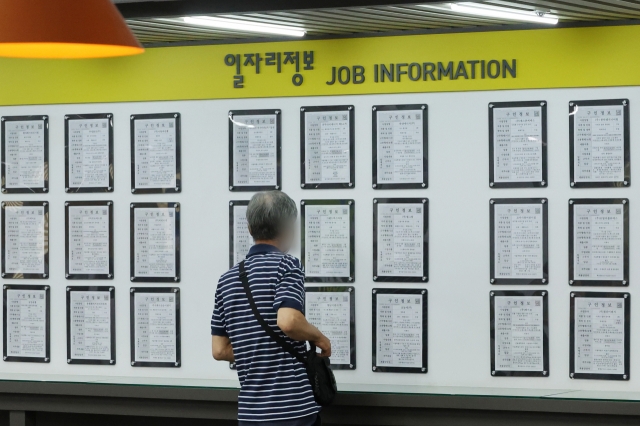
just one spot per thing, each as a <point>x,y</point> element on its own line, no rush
<point>548,58</point>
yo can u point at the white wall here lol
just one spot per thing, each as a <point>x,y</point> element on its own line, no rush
<point>459,353</point>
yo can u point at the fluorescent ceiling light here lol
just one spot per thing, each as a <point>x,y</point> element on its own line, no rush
<point>233,24</point>
<point>503,13</point>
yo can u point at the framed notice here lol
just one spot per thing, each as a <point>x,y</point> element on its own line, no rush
<point>89,240</point>
<point>25,154</point>
<point>400,239</point>
<point>400,330</point>
<point>88,149</point>
<point>328,240</point>
<point>240,240</point>
<point>155,153</point>
<point>333,311</point>
<point>255,146</point>
<point>519,241</point>
<point>155,242</point>
<point>25,237</point>
<point>599,242</point>
<point>91,325</point>
<point>600,337</point>
<point>327,147</point>
<point>400,141</point>
<point>26,325</point>
<point>599,140</point>
<point>518,144</point>
<point>155,327</point>
<point>519,333</point>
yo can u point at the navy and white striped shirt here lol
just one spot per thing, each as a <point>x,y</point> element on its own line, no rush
<point>273,384</point>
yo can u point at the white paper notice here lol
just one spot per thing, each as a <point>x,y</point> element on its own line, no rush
<point>399,330</point>
<point>89,153</point>
<point>400,240</point>
<point>26,323</point>
<point>156,153</point>
<point>599,335</point>
<point>518,241</point>
<point>327,150</point>
<point>24,239</point>
<point>90,325</point>
<point>519,333</point>
<point>155,327</point>
<point>517,144</point>
<point>242,239</point>
<point>88,240</point>
<point>255,150</point>
<point>598,242</point>
<point>400,146</point>
<point>155,242</point>
<point>331,313</point>
<point>327,241</point>
<point>598,151</point>
<point>24,154</point>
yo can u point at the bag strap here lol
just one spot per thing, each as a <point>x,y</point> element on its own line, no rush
<point>275,336</point>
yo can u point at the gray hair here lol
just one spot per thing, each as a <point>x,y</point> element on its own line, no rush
<point>268,213</point>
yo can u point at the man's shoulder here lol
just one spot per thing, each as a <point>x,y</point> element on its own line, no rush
<point>283,260</point>
<point>230,276</point>
<point>290,262</point>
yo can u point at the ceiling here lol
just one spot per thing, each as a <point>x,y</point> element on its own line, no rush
<point>158,22</point>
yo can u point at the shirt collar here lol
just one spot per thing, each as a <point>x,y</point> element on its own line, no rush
<point>262,248</point>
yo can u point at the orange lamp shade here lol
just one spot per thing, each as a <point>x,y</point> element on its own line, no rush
<point>64,29</point>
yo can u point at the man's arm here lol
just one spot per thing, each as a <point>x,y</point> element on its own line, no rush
<point>221,348</point>
<point>293,323</point>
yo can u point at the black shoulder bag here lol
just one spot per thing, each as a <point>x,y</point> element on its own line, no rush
<point>323,382</point>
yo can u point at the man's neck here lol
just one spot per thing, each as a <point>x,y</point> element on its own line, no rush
<point>269,242</point>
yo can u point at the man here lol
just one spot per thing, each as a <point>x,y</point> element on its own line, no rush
<point>274,387</point>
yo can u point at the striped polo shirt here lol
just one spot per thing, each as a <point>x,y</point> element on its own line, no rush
<point>273,384</point>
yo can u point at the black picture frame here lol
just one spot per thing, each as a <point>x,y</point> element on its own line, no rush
<point>545,337</point>
<point>352,240</point>
<point>352,320</point>
<point>20,275</point>
<point>132,322</point>
<point>278,123</point>
<point>521,104</point>
<point>545,242</point>
<point>69,275</point>
<point>425,146</point>
<point>45,167</point>
<point>178,187</point>
<point>112,301</point>
<point>232,205</point>
<point>627,336</point>
<point>627,143</point>
<point>350,110</point>
<point>425,330</point>
<point>425,241</point>
<point>47,291</point>
<point>132,241</point>
<point>624,202</point>
<point>80,189</point>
